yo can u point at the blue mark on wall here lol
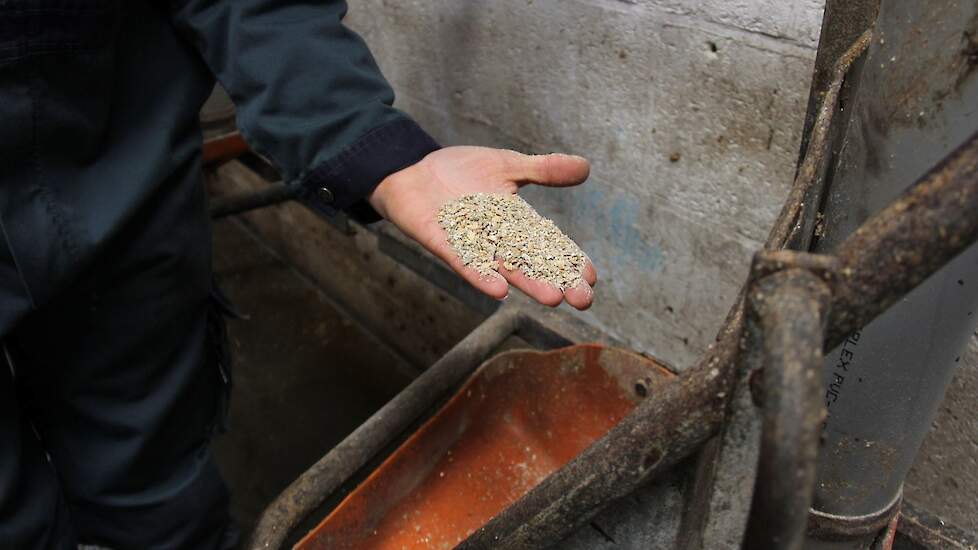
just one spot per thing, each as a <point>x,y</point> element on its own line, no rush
<point>615,240</point>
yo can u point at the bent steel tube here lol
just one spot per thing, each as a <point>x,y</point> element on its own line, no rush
<point>789,222</point>
<point>897,249</point>
<point>786,323</point>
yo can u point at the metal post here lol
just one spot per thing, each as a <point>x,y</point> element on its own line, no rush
<point>786,329</point>
<point>913,102</point>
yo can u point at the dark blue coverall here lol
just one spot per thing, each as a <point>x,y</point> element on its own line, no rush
<point>114,377</point>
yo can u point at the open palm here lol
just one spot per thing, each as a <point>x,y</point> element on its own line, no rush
<point>411,198</point>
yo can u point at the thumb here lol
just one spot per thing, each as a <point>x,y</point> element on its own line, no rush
<point>555,169</point>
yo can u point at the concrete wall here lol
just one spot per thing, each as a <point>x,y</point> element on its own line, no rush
<point>691,113</point>
<point>944,479</point>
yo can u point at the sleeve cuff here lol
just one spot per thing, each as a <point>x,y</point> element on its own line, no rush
<point>344,181</point>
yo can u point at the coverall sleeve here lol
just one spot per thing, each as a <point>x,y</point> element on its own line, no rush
<point>308,93</point>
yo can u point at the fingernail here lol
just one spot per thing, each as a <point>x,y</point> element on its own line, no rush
<point>577,157</point>
<point>584,286</point>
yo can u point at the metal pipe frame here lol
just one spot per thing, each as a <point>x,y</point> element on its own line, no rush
<point>897,249</point>
<point>786,319</point>
<point>796,220</point>
<point>275,193</point>
<point>794,229</point>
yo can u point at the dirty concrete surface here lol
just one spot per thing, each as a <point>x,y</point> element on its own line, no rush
<point>305,374</point>
<point>944,478</point>
<point>691,113</point>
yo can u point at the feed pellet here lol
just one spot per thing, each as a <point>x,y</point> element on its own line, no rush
<point>485,227</point>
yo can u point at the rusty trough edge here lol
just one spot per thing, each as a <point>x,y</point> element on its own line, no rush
<point>786,319</point>
<point>307,492</point>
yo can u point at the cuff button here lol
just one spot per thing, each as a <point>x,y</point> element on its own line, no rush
<point>324,194</point>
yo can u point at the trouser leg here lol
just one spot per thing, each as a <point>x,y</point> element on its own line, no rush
<point>123,387</point>
<point>123,381</point>
<point>33,514</point>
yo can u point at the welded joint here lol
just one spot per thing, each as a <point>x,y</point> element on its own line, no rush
<point>769,262</point>
<point>775,277</point>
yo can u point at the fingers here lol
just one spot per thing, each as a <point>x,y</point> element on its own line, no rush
<point>582,294</point>
<point>555,169</point>
<point>579,296</point>
<point>493,284</point>
<point>543,292</point>
<point>590,275</point>
<point>496,284</point>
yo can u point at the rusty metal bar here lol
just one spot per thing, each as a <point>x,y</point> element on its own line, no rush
<point>786,326</point>
<point>275,193</point>
<point>790,224</point>
<point>925,530</point>
<point>307,492</point>
<point>932,222</point>
<point>223,148</point>
<point>843,21</point>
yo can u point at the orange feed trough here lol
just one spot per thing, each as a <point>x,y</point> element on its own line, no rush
<point>520,417</point>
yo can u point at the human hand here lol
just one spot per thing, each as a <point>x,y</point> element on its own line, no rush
<point>411,198</point>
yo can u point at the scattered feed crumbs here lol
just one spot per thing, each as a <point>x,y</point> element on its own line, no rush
<point>486,226</point>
